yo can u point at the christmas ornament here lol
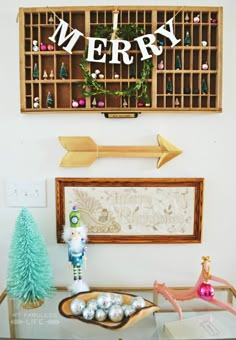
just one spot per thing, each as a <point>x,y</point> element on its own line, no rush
<point>117,299</point>
<point>49,100</point>
<point>100,315</point>
<point>101,76</point>
<point>205,66</point>
<point>35,47</point>
<point>94,102</point>
<point>129,310</point>
<point>50,47</point>
<point>92,304</point>
<point>81,102</point>
<point>101,103</point>
<point>161,65</point>
<point>97,72</point>
<point>45,75</point>
<point>169,86</point>
<point>104,300</point>
<point>116,76</point>
<point>36,72</point>
<point>178,64</point>
<point>187,39</point>
<point>116,313</point>
<point>63,72</point>
<point>77,306</point>
<point>186,18</point>
<point>93,75</point>
<point>138,302</point>
<point>74,104</point>
<point>140,104</point>
<point>88,313</point>
<point>43,47</point>
<point>36,103</point>
<point>204,43</point>
<point>206,291</point>
<point>196,19</point>
<point>213,20</point>
<point>51,75</point>
<point>50,19</point>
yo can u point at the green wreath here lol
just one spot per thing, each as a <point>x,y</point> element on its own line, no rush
<point>92,87</point>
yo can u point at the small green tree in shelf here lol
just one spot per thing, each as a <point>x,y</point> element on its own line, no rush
<point>36,72</point>
<point>187,39</point>
<point>63,72</point>
<point>204,86</point>
<point>30,278</point>
<point>178,64</point>
<point>49,100</point>
<point>169,86</point>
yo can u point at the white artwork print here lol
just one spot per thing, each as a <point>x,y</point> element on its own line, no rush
<point>134,210</point>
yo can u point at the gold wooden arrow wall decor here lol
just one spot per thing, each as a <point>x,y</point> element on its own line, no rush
<point>83,151</point>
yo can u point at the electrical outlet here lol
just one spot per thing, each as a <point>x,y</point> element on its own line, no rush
<point>26,192</point>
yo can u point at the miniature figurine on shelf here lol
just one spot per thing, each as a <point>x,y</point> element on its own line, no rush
<point>186,18</point>
<point>203,289</point>
<point>35,47</point>
<point>124,104</point>
<point>94,102</point>
<point>161,65</point>
<point>36,72</point>
<point>169,86</point>
<point>187,39</point>
<point>101,103</point>
<point>178,64</point>
<point>50,47</point>
<point>101,76</point>
<point>116,76</point>
<point>81,102</point>
<point>213,21</point>
<point>63,73</point>
<point>204,43</point>
<point>49,100</point>
<point>51,75</point>
<point>204,87</point>
<point>45,75</point>
<point>177,103</point>
<point>75,236</point>
<point>36,103</point>
<point>50,19</point>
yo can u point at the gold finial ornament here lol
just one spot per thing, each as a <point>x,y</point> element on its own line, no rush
<point>206,271</point>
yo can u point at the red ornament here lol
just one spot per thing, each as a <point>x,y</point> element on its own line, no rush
<point>206,291</point>
<point>43,47</point>
<point>50,47</point>
<point>81,102</point>
<point>140,104</point>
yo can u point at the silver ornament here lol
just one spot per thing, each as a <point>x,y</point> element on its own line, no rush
<point>92,304</point>
<point>138,302</point>
<point>117,299</point>
<point>100,315</point>
<point>116,313</point>
<point>77,306</point>
<point>104,300</point>
<point>88,313</point>
<point>129,310</point>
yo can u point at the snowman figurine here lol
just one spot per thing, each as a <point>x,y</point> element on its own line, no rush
<point>35,47</point>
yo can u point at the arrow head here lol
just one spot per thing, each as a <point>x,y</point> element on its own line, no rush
<point>168,151</point>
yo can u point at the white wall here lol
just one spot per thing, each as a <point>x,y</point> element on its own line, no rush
<point>29,147</point>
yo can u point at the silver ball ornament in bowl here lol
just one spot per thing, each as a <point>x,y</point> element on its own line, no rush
<point>117,299</point>
<point>129,310</point>
<point>104,300</point>
<point>88,313</point>
<point>138,302</point>
<point>116,313</point>
<point>77,306</point>
<point>92,304</point>
<point>100,315</point>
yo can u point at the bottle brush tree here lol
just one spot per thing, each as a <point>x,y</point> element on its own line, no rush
<point>30,278</point>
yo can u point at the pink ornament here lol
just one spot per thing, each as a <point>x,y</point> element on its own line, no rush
<point>43,47</point>
<point>101,103</point>
<point>50,47</point>
<point>81,102</point>
<point>206,291</point>
<point>74,104</point>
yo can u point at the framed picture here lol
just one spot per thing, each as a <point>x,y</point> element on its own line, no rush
<point>133,210</point>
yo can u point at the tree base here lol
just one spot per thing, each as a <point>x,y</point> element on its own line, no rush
<point>31,305</point>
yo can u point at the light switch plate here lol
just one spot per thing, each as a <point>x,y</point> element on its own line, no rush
<point>26,192</point>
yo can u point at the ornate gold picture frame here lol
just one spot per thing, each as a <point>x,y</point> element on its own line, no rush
<point>133,210</point>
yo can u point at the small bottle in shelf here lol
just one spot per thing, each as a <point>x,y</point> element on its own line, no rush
<point>36,72</point>
<point>169,86</point>
<point>178,64</point>
<point>204,86</point>
<point>49,100</point>
<point>187,39</point>
<point>63,72</point>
